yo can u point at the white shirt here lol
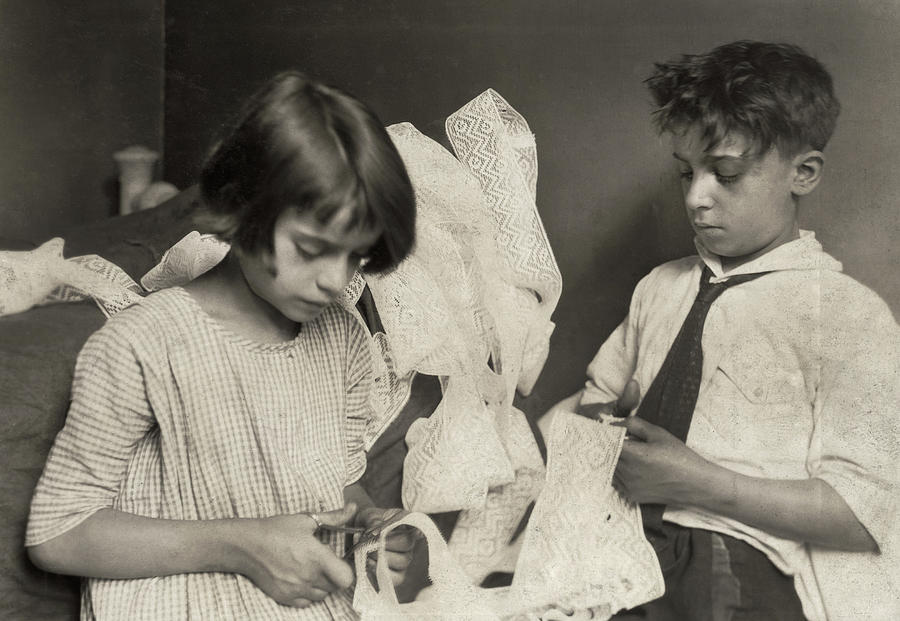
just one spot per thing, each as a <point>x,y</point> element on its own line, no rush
<point>801,378</point>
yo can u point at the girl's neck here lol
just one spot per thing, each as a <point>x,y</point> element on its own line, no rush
<point>224,294</point>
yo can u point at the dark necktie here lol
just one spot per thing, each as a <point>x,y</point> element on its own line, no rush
<point>672,396</point>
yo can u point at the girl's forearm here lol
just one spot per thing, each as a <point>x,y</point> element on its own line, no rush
<point>805,510</point>
<point>113,544</point>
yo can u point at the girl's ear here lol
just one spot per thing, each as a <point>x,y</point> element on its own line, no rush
<point>808,168</point>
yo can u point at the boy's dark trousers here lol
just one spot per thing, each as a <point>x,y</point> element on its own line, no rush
<point>713,577</point>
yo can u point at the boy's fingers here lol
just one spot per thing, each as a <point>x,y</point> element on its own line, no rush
<point>638,427</point>
<point>629,400</point>
<point>595,410</point>
<point>620,408</point>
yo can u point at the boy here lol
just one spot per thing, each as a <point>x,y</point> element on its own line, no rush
<point>779,503</point>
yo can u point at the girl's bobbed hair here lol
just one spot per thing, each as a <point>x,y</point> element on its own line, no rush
<point>299,144</point>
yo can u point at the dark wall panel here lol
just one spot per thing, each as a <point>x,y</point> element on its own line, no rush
<point>607,191</point>
<point>78,81</point>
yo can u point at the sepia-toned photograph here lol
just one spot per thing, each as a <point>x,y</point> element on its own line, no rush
<point>452,310</point>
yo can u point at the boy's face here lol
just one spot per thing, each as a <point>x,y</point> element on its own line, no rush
<point>739,203</point>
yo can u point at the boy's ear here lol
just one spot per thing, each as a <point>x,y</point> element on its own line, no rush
<point>808,169</point>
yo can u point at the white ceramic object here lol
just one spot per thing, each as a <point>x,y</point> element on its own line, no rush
<point>135,174</point>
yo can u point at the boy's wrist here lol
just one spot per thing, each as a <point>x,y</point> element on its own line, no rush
<point>709,488</point>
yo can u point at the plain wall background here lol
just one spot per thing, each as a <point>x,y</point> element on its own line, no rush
<point>607,191</point>
<point>78,82</point>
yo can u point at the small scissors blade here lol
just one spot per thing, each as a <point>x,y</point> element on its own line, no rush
<point>373,533</point>
<point>356,530</point>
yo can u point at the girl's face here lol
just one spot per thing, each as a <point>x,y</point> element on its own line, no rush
<point>310,265</point>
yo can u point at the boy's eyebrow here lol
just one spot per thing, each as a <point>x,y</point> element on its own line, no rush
<point>715,158</point>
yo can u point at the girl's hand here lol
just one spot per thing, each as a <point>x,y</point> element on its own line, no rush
<point>284,559</point>
<point>657,467</point>
<point>398,545</point>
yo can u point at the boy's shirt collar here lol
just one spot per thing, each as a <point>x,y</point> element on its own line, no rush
<point>803,253</point>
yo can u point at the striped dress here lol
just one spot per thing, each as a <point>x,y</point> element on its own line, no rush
<point>175,417</point>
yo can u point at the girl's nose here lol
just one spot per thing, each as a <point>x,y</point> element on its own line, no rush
<point>335,274</point>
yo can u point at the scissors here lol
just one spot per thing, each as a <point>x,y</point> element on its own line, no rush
<point>373,533</point>
<point>365,535</point>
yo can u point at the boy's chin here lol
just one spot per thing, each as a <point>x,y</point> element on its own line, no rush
<point>732,259</point>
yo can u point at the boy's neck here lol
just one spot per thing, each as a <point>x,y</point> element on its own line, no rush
<point>732,263</point>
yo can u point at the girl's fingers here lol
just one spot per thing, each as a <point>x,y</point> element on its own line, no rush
<point>337,571</point>
<point>400,545</point>
<point>397,562</point>
<point>300,602</point>
<point>314,594</point>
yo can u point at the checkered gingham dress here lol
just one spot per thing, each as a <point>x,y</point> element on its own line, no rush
<point>175,417</point>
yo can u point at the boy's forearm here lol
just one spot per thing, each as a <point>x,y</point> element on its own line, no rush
<point>805,510</point>
<point>114,544</point>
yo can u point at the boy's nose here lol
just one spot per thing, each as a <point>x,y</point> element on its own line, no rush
<point>697,195</point>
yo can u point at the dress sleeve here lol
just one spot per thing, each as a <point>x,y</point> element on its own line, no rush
<point>855,445</point>
<point>358,403</point>
<point>108,415</point>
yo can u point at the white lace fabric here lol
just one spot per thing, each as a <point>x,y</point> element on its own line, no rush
<point>42,276</point>
<point>583,553</point>
<point>193,255</point>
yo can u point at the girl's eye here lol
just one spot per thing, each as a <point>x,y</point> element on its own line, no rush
<point>686,175</point>
<point>307,253</point>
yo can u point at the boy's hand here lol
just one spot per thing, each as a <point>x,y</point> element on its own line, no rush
<point>655,466</point>
<point>619,408</point>
<point>398,545</point>
<point>285,560</point>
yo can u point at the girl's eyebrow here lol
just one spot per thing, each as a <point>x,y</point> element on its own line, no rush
<point>327,245</point>
<point>310,237</point>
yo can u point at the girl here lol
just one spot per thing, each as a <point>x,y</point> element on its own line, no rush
<point>215,435</point>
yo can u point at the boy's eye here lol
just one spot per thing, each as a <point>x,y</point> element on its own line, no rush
<point>686,175</point>
<point>726,179</point>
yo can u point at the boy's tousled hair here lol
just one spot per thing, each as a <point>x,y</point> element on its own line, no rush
<point>774,93</point>
<point>303,145</point>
